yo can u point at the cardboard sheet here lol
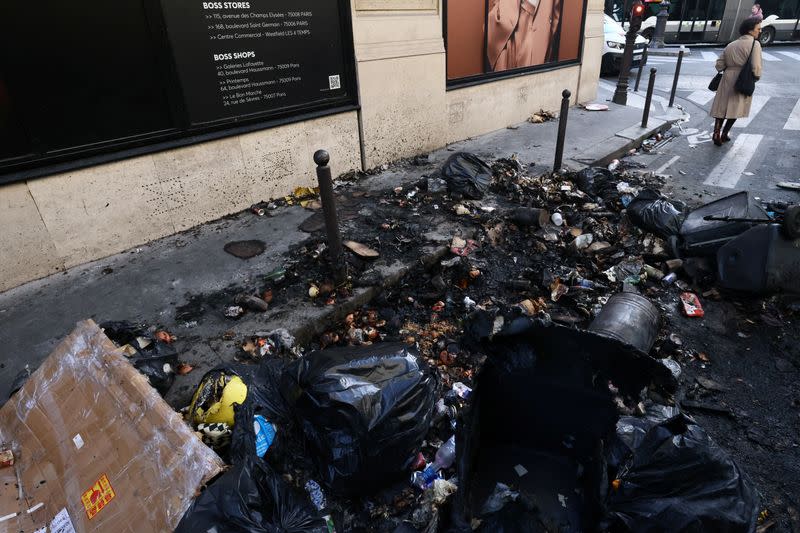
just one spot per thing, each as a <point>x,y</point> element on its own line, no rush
<point>95,447</point>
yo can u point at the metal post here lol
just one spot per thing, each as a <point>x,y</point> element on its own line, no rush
<point>562,129</point>
<point>642,63</point>
<point>677,75</point>
<point>322,158</point>
<point>649,98</point>
<point>621,94</point>
<point>661,24</point>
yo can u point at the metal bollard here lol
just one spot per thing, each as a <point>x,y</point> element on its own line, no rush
<point>642,64</point>
<point>675,80</point>
<point>322,158</point>
<point>649,97</point>
<point>562,129</point>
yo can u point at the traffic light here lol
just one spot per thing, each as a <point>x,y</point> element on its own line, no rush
<point>637,11</point>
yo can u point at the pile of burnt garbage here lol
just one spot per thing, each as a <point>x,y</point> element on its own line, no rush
<point>516,384</point>
<point>565,429</point>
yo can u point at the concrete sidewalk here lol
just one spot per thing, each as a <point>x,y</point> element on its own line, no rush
<point>152,283</point>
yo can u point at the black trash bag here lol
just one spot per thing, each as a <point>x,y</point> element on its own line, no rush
<point>153,358</point>
<point>654,213</point>
<point>592,180</point>
<point>263,398</point>
<point>364,410</point>
<point>251,498</point>
<point>467,175</point>
<point>264,388</point>
<point>674,477</point>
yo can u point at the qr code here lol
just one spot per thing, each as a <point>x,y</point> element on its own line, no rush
<point>335,82</point>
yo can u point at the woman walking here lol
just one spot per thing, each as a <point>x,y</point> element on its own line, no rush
<point>728,102</point>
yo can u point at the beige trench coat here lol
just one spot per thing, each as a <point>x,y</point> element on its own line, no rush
<point>521,32</point>
<point>728,103</point>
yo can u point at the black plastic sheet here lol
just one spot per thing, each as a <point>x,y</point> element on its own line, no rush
<point>654,213</point>
<point>364,410</point>
<point>156,360</point>
<point>674,477</point>
<point>467,175</point>
<point>594,180</point>
<point>251,498</point>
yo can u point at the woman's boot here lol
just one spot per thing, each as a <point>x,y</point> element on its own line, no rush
<point>728,125</point>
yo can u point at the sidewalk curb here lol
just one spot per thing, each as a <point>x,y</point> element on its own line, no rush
<point>668,51</point>
<point>625,144</point>
<point>317,325</point>
<point>635,142</point>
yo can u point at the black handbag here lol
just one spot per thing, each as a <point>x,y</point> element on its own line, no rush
<point>746,82</point>
<point>714,85</point>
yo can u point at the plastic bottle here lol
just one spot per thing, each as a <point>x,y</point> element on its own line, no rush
<point>557,219</point>
<point>581,283</point>
<point>461,390</point>
<point>445,457</point>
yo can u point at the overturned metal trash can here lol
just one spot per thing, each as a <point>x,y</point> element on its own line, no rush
<point>760,260</point>
<point>629,318</point>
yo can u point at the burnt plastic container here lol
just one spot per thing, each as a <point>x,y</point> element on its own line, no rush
<point>700,237</point>
<point>760,260</point>
<point>541,402</point>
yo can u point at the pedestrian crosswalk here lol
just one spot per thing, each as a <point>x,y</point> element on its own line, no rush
<point>775,107</point>
<point>701,97</point>
<point>711,57</point>
<point>792,55</point>
<point>758,103</point>
<point>793,123</point>
<point>658,105</point>
<point>728,172</point>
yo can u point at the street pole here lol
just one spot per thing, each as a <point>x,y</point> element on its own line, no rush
<point>661,24</point>
<point>562,129</point>
<point>321,158</point>
<point>675,79</point>
<point>621,94</point>
<point>649,98</point>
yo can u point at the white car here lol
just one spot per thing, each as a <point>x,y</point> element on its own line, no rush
<point>614,46</point>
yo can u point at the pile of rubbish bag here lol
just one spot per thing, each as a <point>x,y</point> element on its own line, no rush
<point>538,444</point>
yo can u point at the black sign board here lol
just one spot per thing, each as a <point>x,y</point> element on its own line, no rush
<point>145,75</point>
<point>244,57</point>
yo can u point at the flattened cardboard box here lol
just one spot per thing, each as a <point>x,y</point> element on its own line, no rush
<point>95,447</point>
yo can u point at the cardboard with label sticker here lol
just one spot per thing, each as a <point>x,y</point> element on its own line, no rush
<point>95,447</point>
